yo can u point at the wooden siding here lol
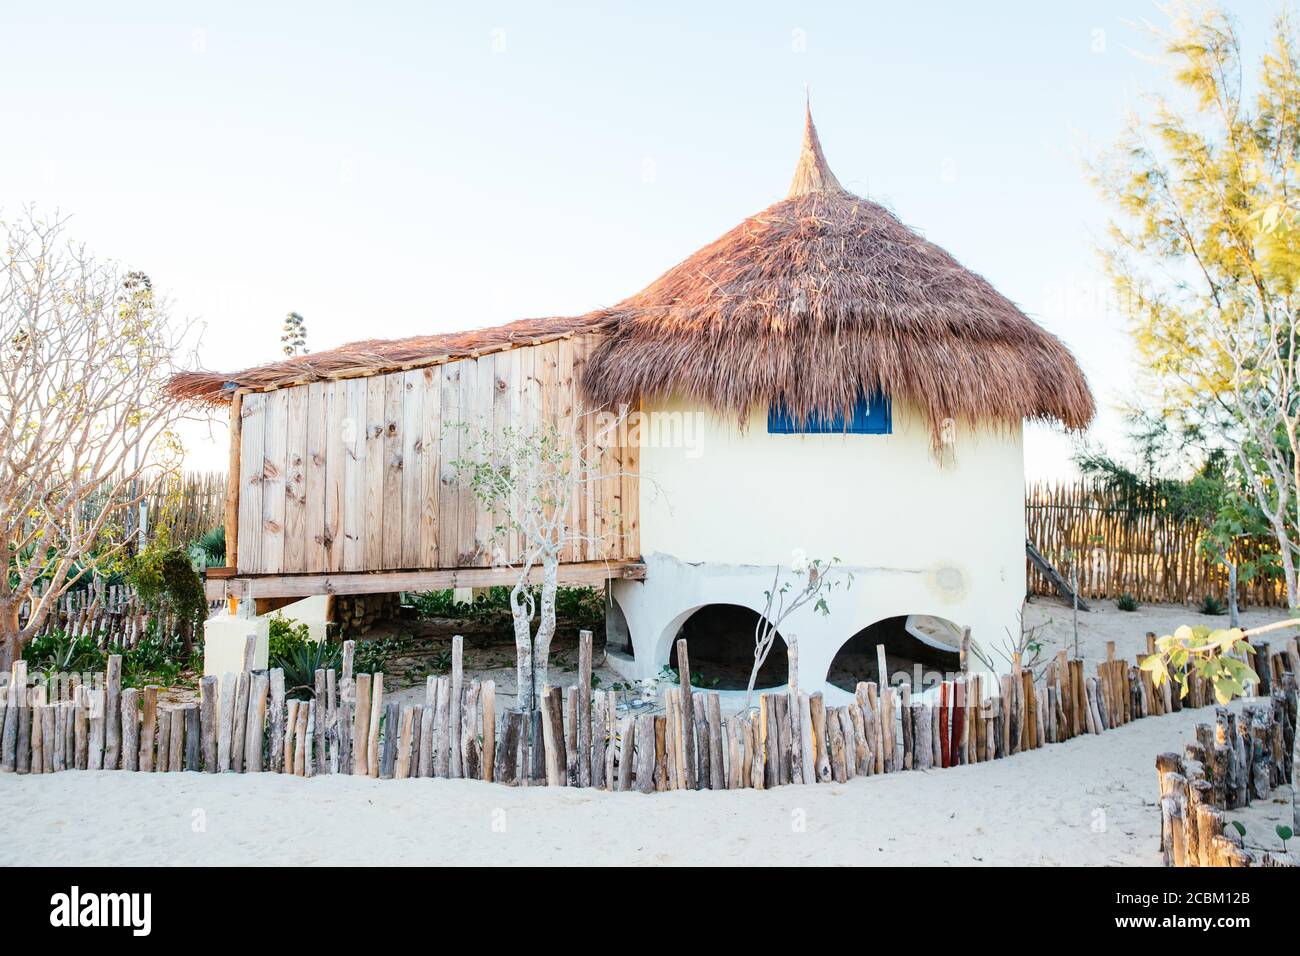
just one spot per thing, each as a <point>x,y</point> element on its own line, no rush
<point>359,474</point>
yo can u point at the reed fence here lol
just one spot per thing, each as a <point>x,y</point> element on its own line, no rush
<point>1116,550</point>
<point>113,615</point>
<point>244,723</point>
<point>1238,759</point>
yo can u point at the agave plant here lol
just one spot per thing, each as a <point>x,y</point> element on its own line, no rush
<point>300,662</point>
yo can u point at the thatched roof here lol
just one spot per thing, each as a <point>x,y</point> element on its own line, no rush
<point>825,296</point>
<point>374,357</point>
<point>812,302</point>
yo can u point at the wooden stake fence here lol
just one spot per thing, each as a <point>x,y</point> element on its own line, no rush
<point>90,721</point>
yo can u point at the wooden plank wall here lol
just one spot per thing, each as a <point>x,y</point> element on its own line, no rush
<point>358,475</point>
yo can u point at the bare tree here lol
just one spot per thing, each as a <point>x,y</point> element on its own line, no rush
<point>812,583</point>
<point>530,477</point>
<point>85,429</point>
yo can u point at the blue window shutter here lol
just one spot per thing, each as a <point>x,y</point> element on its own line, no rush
<point>871,416</point>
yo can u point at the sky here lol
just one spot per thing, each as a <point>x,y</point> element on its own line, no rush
<point>388,169</point>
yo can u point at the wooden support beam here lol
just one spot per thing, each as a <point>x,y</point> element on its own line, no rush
<point>232,481</point>
<point>264,587</point>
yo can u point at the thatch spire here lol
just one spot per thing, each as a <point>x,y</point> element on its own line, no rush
<point>812,174</point>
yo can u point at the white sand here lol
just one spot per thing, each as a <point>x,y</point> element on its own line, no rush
<point>1086,802</point>
<point>1090,801</point>
<point>1128,629</point>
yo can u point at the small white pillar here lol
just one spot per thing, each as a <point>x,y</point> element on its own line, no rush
<point>224,639</point>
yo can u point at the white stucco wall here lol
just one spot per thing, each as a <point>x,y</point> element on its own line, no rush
<point>919,537</point>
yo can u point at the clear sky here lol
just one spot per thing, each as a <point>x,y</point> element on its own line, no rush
<point>387,169</point>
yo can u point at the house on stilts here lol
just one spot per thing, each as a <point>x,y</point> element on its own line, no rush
<point>836,384</point>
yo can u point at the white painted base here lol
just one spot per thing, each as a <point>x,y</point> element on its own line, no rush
<point>673,590</point>
<point>224,638</point>
<point>316,612</point>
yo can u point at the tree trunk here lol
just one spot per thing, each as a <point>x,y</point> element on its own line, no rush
<point>546,624</point>
<point>11,635</point>
<point>527,699</point>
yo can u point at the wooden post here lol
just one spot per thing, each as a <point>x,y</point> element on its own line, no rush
<point>176,743</point>
<point>148,727</point>
<point>584,709</point>
<point>208,695</point>
<point>488,699</point>
<point>627,749</point>
<point>233,480</point>
<point>321,762</point>
<point>361,728</point>
<point>239,732</point>
<point>571,740</point>
<point>376,718</point>
<point>688,710</point>
<point>470,752</point>
<point>821,758</point>
<point>301,745</point>
<point>112,713</point>
<point>905,692</point>
<point>130,730</point>
<point>276,743</point>
<point>95,752</point>
<point>645,753</point>
<point>506,769</point>
<point>457,679</point>
<point>717,775</point>
<point>404,743</point>
<point>553,737</point>
<point>255,721</point>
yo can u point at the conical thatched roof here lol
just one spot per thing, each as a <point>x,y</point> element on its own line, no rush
<point>825,296</point>
<point>810,303</point>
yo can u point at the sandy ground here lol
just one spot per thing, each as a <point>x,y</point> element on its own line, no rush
<point>1086,802</point>
<point>1054,625</point>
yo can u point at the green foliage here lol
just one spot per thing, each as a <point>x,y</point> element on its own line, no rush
<point>286,634</point>
<point>1216,656</point>
<point>1212,606</point>
<point>301,661</point>
<point>157,660</point>
<point>212,547</point>
<point>671,675</point>
<point>583,606</point>
<point>58,652</point>
<point>1285,833</point>
<point>164,578</point>
<point>153,659</point>
<point>1127,602</point>
<point>373,656</point>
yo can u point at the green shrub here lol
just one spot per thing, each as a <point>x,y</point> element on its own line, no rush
<point>58,652</point>
<point>583,605</point>
<point>164,578</point>
<point>1127,602</point>
<point>212,548</point>
<point>301,661</point>
<point>1210,605</point>
<point>286,635</point>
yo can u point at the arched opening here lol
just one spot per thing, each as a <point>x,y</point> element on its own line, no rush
<point>909,640</point>
<point>618,637</point>
<point>720,638</point>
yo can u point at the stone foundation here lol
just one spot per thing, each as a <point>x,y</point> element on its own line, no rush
<point>357,613</point>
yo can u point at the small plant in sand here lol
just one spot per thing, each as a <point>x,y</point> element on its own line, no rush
<point>1025,648</point>
<point>810,581</point>
<point>1219,657</point>
<point>1127,602</point>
